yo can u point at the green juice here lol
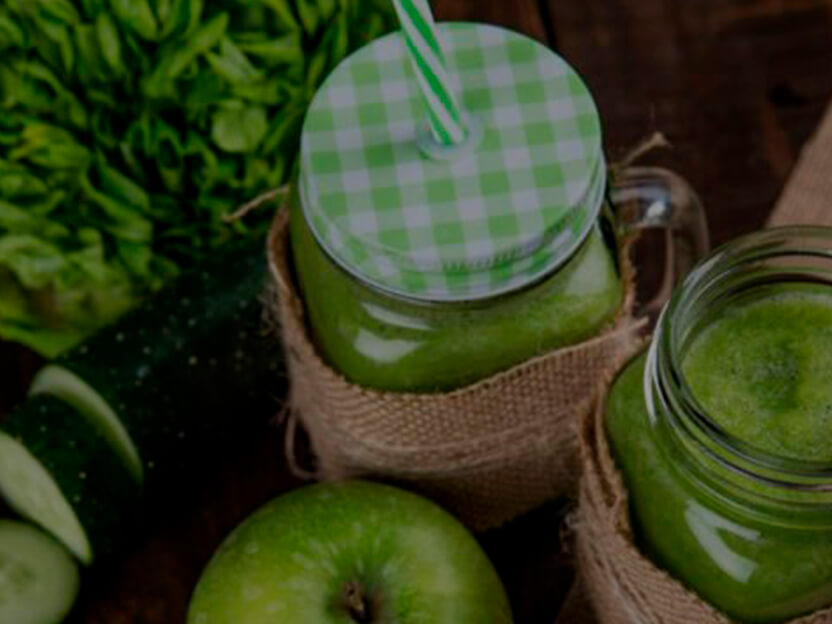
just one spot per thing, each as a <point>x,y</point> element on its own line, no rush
<point>761,370</point>
<point>388,343</point>
<point>764,373</point>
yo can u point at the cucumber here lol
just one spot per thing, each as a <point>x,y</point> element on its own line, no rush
<point>61,473</point>
<point>38,579</point>
<point>182,375</point>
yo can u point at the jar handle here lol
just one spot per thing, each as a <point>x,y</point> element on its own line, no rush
<point>656,198</point>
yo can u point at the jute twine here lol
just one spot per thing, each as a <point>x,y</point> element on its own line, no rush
<point>616,583</point>
<point>487,452</point>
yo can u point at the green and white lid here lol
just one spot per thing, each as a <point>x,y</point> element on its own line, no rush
<point>413,212</point>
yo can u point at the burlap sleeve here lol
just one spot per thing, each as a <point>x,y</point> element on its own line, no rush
<point>807,198</point>
<point>487,452</point>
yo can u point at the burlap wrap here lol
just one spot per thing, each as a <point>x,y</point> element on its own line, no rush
<point>616,583</point>
<point>487,452</point>
<point>807,197</point>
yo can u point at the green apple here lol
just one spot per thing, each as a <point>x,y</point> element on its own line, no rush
<point>350,553</point>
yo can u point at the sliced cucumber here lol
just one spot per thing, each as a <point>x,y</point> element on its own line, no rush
<point>38,579</point>
<point>183,375</point>
<point>67,386</point>
<point>58,471</point>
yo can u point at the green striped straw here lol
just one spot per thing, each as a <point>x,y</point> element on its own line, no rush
<point>444,112</point>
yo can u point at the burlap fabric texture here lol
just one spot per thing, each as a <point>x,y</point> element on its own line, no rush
<point>622,585</point>
<point>487,452</point>
<point>807,198</point>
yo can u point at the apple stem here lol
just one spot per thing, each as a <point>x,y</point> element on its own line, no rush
<point>356,602</point>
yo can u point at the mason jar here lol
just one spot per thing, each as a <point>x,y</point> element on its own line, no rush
<point>723,430</point>
<point>383,340</point>
<point>424,270</point>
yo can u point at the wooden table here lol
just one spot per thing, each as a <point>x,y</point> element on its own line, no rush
<point>737,85</point>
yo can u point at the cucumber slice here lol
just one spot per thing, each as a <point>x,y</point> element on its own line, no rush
<point>39,581</point>
<point>182,376</point>
<point>70,388</point>
<point>58,471</point>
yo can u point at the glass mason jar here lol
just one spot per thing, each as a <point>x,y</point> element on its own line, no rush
<point>387,341</point>
<point>427,266</point>
<point>723,431</point>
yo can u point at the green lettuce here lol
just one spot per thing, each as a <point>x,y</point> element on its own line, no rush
<point>130,128</point>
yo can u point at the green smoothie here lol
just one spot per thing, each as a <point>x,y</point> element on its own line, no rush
<point>389,343</point>
<point>761,370</point>
<point>772,359</point>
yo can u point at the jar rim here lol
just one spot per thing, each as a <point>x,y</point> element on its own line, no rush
<point>742,265</point>
<point>568,252</point>
<point>489,222</point>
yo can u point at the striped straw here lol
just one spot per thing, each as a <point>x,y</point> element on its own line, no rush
<point>444,111</point>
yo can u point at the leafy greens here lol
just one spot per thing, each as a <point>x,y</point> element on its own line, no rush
<point>130,128</point>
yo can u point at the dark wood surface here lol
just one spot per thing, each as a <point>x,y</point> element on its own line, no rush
<point>737,86</point>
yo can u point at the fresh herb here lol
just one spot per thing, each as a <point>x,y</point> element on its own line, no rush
<point>129,128</point>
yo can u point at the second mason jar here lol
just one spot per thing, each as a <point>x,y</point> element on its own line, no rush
<point>723,431</point>
<point>423,272</point>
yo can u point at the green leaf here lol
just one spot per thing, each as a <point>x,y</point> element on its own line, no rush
<point>119,186</point>
<point>33,260</point>
<point>136,16</point>
<point>232,65</point>
<point>48,204</point>
<point>11,88</point>
<point>91,66</point>
<point>135,56</point>
<point>11,34</point>
<point>337,40</point>
<point>283,17</point>
<point>377,25</point>
<point>270,92</point>
<point>286,50</point>
<point>202,159</point>
<point>60,101</point>
<point>136,257</point>
<point>316,69</point>
<point>21,183</point>
<point>180,54</point>
<point>309,16</point>
<point>93,7</point>
<point>62,11</point>
<point>59,34</point>
<point>47,49</point>
<point>15,219</point>
<point>206,90</point>
<point>326,9</point>
<point>163,10</point>
<point>119,219</point>
<point>184,17</point>
<point>169,156</point>
<point>205,38</point>
<point>110,43</point>
<point>101,125</point>
<point>50,147</point>
<point>101,97</point>
<point>140,135</point>
<point>285,129</point>
<point>237,128</point>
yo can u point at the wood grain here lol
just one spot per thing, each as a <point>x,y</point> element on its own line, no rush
<point>520,15</point>
<point>736,85</point>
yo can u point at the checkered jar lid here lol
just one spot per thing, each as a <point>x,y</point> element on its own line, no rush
<point>505,209</point>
